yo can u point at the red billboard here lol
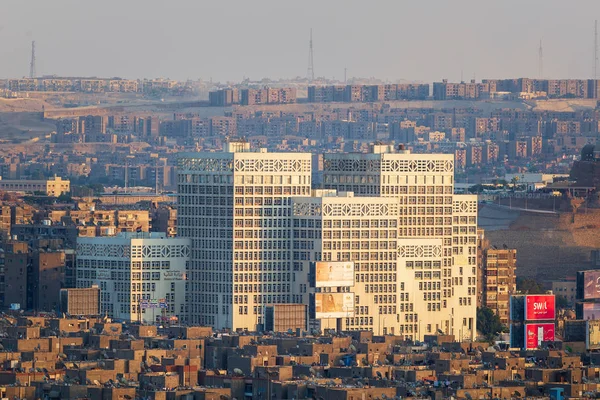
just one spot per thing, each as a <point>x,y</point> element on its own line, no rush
<point>536,333</point>
<point>539,307</point>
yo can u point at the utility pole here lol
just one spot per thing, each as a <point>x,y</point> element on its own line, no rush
<point>310,73</point>
<point>541,61</point>
<point>156,177</point>
<point>32,72</point>
<point>595,92</point>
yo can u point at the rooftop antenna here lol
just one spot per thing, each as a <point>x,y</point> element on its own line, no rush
<point>32,72</point>
<point>345,71</point>
<point>156,176</point>
<point>541,61</point>
<point>310,74</point>
<point>595,50</point>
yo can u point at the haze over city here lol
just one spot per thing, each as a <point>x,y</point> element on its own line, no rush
<point>267,200</point>
<point>229,40</point>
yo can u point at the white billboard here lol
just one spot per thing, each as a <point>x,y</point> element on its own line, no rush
<point>334,305</point>
<point>334,274</point>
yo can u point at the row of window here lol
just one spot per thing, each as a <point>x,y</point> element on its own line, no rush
<point>261,245</point>
<point>262,277</point>
<point>381,288</point>
<point>356,223</point>
<point>349,234</point>
<point>362,245</point>
<point>262,288</point>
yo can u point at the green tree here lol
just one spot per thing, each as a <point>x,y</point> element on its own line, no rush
<point>97,187</point>
<point>65,198</point>
<point>81,191</point>
<point>488,323</point>
<point>529,286</point>
<point>562,302</point>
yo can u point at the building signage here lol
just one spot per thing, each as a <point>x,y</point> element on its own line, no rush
<point>535,334</point>
<point>103,274</point>
<point>592,336</point>
<point>591,311</point>
<point>334,305</point>
<point>174,276</point>
<point>153,303</point>
<point>591,285</point>
<point>334,274</point>
<point>540,307</point>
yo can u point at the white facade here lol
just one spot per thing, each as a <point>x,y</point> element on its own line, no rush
<point>256,227</point>
<point>436,241</point>
<point>364,230</point>
<point>235,207</point>
<point>133,267</point>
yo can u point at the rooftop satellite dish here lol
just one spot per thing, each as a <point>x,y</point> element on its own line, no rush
<point>238,371</point>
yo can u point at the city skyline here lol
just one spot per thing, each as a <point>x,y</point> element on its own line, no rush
<point>148,44</point>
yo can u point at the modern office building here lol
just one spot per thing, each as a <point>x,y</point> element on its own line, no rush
<point>436,255</point>
<point>235,207</point>
<point>331,227</point>
<point>141,275</point>
<point>258,230</point>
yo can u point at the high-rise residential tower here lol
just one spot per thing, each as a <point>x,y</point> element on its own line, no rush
<point>258,232</point>
<point>235,207</point>
<point>437,236</point>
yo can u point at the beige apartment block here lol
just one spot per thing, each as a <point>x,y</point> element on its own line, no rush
<point>51,187</point>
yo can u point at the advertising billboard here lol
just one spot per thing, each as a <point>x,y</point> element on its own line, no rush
<point>539,307</point>
<point>589,282</point>
<point>334,274</point>
<point>334,305</point>
<point>592,337</point>
<point>591,311</point>
<point>536,333</point>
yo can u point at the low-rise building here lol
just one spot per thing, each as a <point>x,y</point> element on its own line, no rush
<point>141,275</point>
<point>51,187</point>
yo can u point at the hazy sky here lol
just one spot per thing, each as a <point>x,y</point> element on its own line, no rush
<point>227,40</point>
